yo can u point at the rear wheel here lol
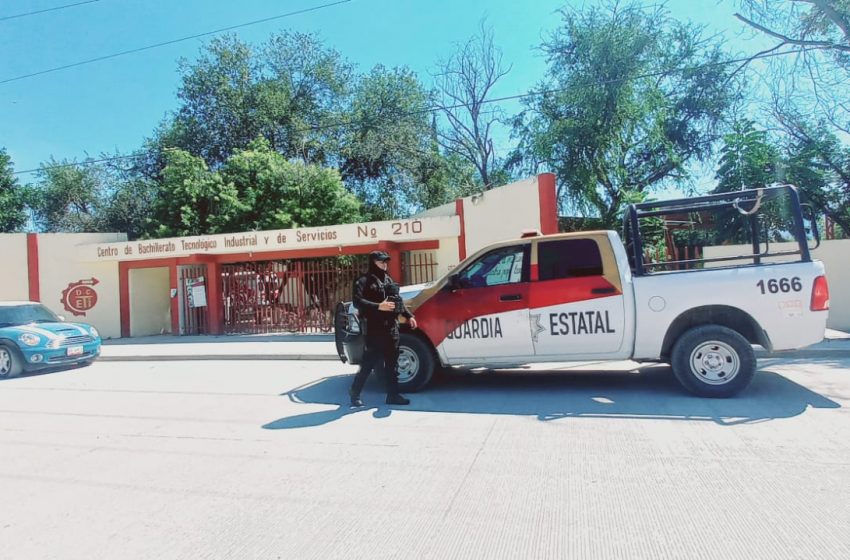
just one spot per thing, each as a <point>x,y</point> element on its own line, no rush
<point>11,363</point>
<point>416,363</point>
<point>713,361</point>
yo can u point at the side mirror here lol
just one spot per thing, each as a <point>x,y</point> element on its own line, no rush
<point>453,283</point>
<point>61,318</point>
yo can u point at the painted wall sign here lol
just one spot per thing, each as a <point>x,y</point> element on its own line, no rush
<point>80,296</point>
<point>416,229</point>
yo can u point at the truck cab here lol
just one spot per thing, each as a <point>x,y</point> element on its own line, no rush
<point>587,296</point>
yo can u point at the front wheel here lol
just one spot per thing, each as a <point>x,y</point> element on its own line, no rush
<point>11,364</point>
<point>416,362</point>
<point>713,361</point>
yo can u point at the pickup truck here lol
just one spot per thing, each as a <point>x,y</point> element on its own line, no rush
<point>587,296</point>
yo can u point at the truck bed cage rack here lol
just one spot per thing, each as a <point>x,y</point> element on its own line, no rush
<point>746,202</point>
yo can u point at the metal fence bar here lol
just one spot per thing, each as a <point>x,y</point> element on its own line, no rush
<point>286,296</point>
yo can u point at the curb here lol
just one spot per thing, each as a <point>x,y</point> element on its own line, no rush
<point>220,357</point>
<point>762,355</point>
<point>809,354</point>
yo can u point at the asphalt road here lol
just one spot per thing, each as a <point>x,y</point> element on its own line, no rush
<point>265,460</point>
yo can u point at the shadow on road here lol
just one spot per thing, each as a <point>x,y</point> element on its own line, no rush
<point>650,392</point>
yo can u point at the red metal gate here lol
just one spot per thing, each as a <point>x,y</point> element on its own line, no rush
<point>297,295</point>
<point>193,312</point>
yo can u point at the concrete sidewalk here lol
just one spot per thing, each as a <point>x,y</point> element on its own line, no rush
<point>226,347</point>
<point>322,347</point>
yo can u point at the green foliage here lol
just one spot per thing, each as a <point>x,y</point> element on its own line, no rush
<point>634,97</point>
<point>192,199</point>
<point>12,199</point>
<point>819,165</point>
<point>817,114</point>
<point>279,194</point>
<point>255,189</point>
<point>747,159</point>
<point>67,197</point>
<point>387,151</point>
<point>234,93</point>
<point>306,102</point>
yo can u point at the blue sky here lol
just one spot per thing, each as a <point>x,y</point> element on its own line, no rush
<point>114,104</point>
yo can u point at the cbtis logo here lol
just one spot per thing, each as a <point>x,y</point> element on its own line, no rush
<point>80,296</point>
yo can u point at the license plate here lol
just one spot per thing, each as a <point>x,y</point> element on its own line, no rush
<point>75,350</point>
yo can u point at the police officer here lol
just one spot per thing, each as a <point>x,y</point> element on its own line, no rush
<point>380,313</point>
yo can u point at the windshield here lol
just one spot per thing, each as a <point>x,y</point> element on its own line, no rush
<point>23,314</point>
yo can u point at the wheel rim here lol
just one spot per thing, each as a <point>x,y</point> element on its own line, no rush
<point>408,364</point>
<point>715,362</point>
<point>5,362</point>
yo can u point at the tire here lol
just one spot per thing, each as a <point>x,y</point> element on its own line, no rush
<point>713,361</point>
<point>11,363</point>
<point>416,363</point>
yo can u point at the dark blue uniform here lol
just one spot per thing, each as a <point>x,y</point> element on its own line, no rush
<point>381,330</point>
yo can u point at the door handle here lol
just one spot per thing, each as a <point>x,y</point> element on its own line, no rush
<point>603,290</point>
<point>510,297</point>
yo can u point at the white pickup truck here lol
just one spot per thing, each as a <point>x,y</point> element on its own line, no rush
<point>585,296</point>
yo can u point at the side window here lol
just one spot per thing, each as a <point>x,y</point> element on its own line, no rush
<point>568,258</point>
<point>505,265</point>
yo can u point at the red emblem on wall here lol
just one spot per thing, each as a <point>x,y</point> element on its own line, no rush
<point>80,296</point>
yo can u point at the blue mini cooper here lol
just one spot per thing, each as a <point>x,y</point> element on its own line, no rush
<point>33,337</point>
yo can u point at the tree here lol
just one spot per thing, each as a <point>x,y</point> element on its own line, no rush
<point>809,94</point>
<point>12,201</point>
<point>234,93</point>
<point>67,197</point>
<point>820,32</point>
<point>387,149</point>
<point>747,159</point>
<point>279,194</point>
<point>128,204</point>
<point>819,165</point>
<point>633,97</point>
<point>464,82</point>
<point>193,200</point>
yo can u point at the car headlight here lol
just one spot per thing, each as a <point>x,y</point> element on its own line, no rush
<point>30,339</point>
<point>94,332</point>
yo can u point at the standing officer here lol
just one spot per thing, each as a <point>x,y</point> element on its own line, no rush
<point>379,315</point>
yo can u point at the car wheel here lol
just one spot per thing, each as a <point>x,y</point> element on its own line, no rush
<point>11,363</point>
<point>713,361</point>
<point>416,363</point>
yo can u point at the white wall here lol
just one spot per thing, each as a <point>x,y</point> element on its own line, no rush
<point>150,301</point>
<point>502,213</point>
<point>449,209</point>
<point>59,266</point>
<point>835,256</point>
<point>447,256</point>
<point>14,280</point>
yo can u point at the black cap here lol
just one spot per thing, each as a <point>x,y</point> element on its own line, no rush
<point>378,256</point>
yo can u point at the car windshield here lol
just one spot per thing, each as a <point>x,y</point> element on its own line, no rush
<point>24,314</point>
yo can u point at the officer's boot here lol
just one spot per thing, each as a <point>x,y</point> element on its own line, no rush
<point>356,401</point>
<point>393,396</point>
<point>397,399</point>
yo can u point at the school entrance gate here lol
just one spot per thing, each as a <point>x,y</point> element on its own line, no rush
<point>299,295</point>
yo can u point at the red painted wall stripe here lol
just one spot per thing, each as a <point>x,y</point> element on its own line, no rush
<point>548,203</point>
<point>174,284</point>
<point>461,240</point>
<point>124,298</point>
<point>32,267</point>
<point>215,310</point>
